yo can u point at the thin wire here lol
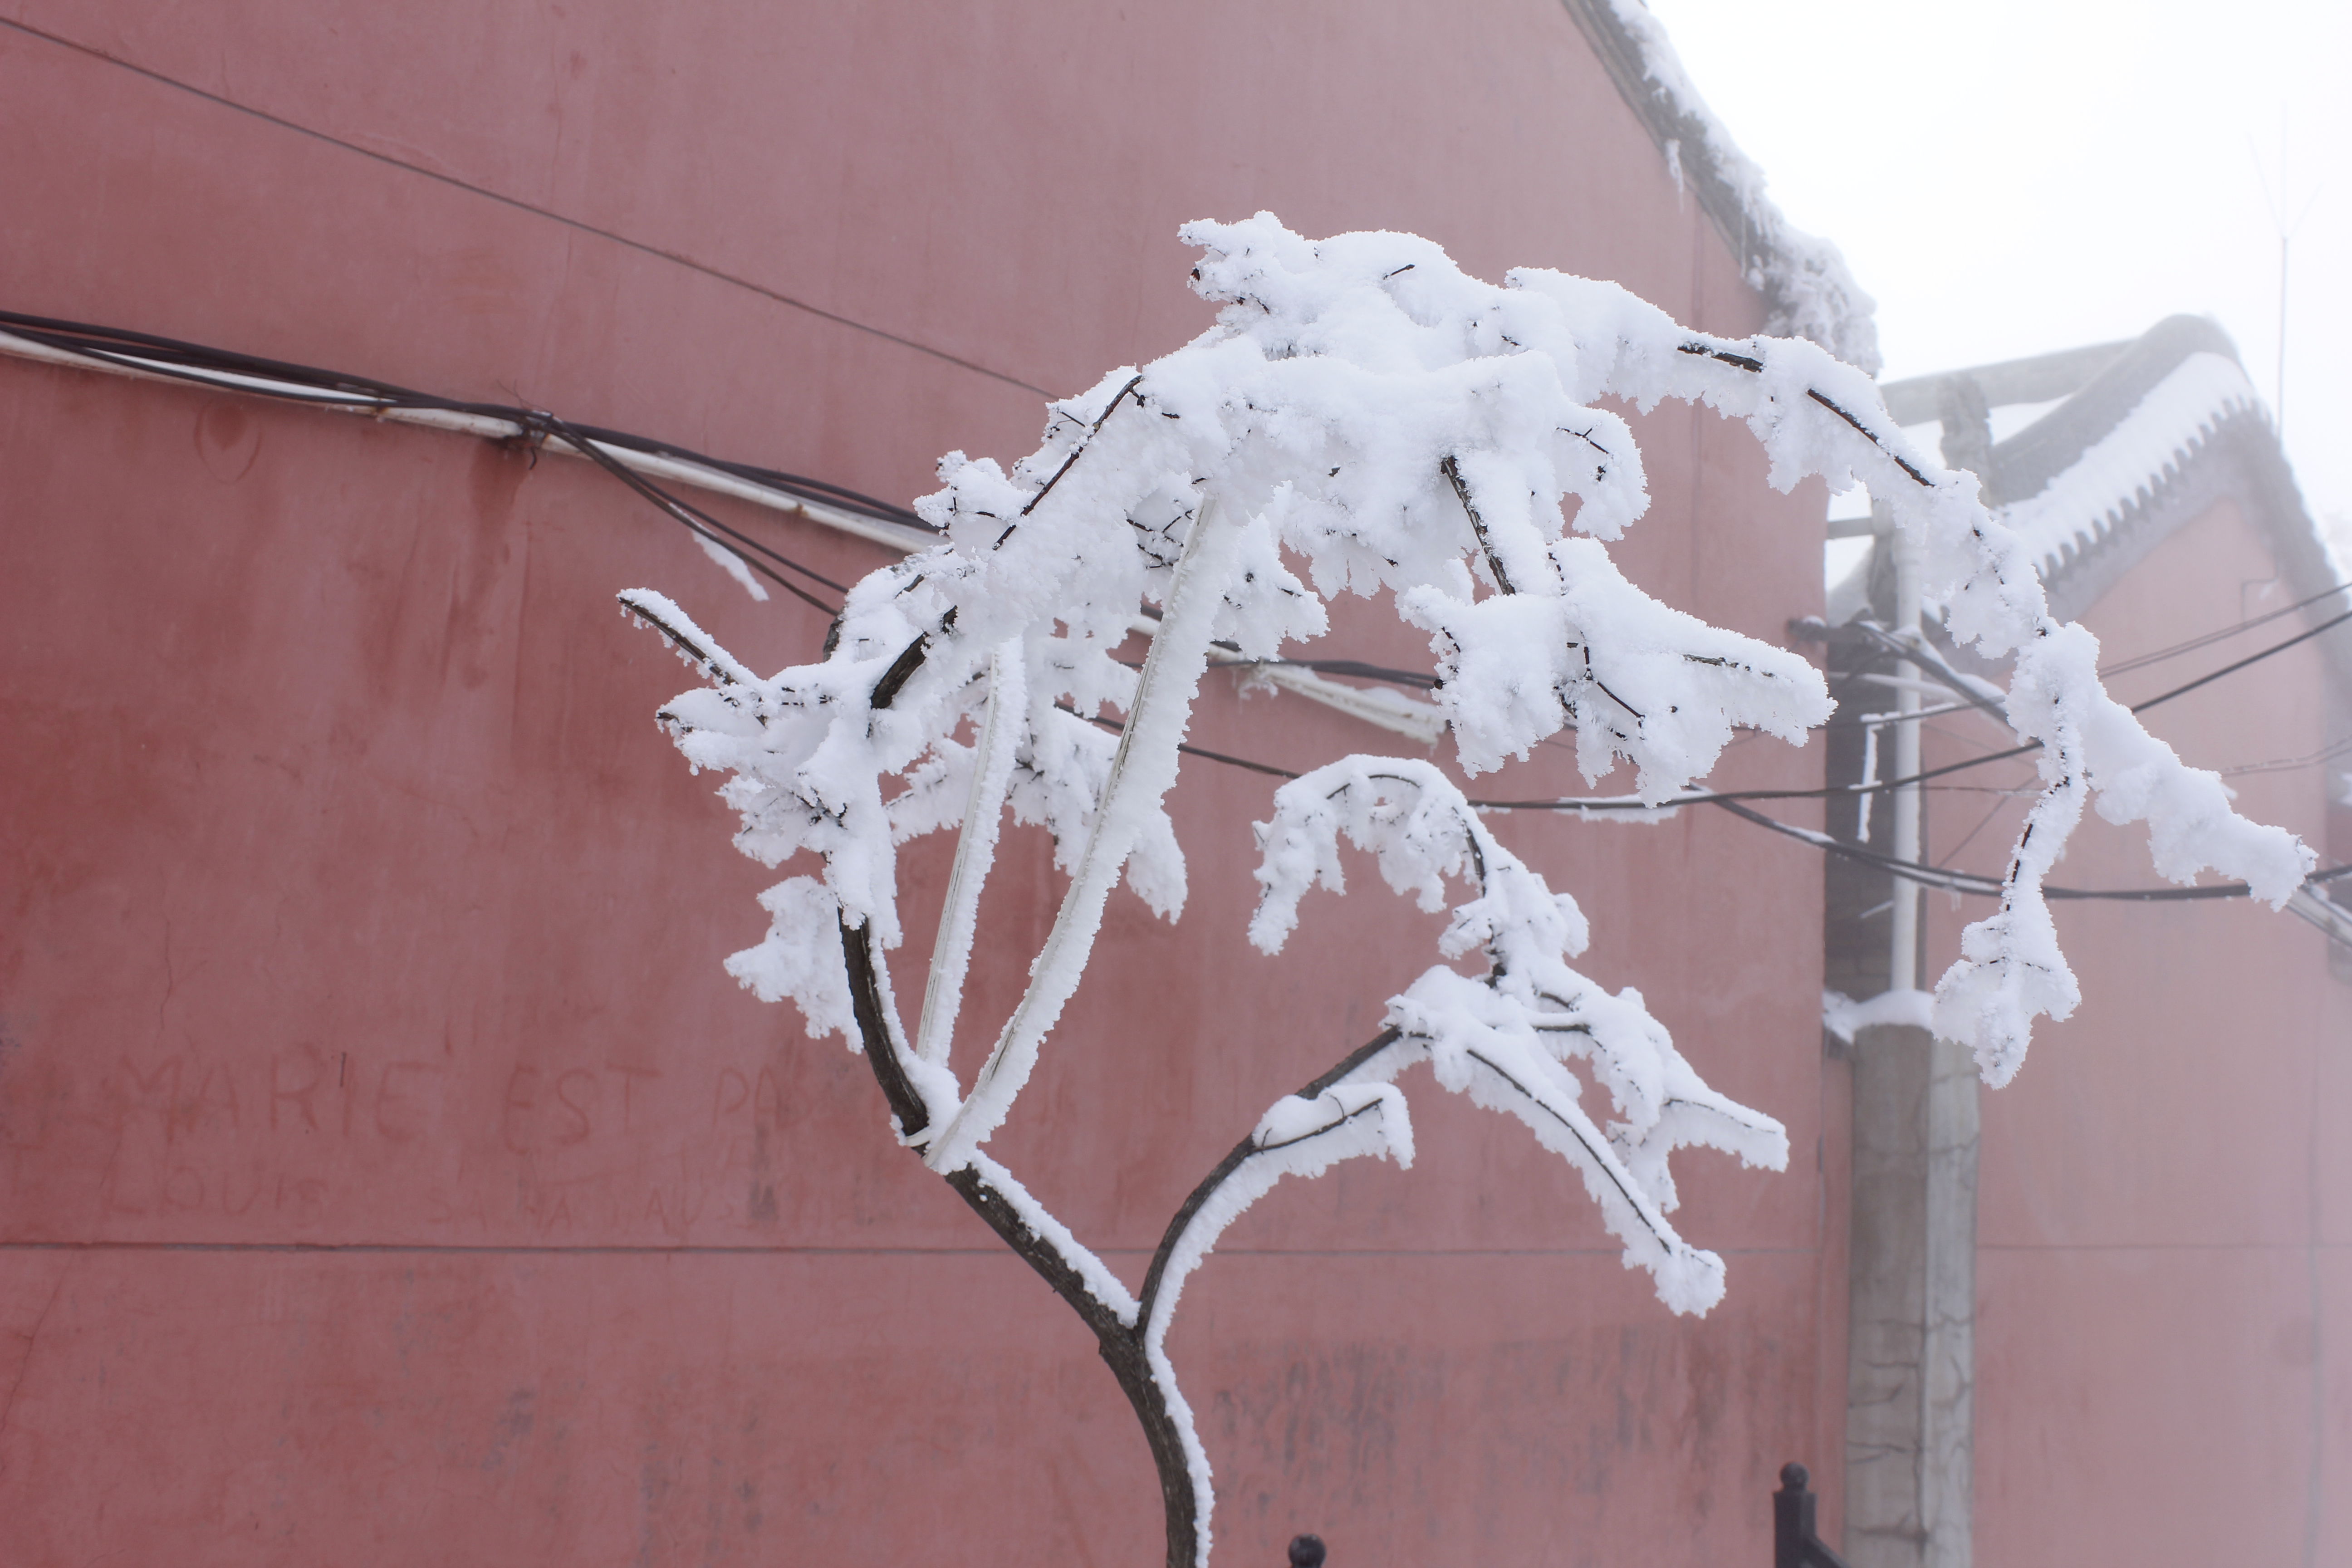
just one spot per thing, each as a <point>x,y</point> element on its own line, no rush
<point>2140,662</point>
<point>696,520</point>
<point>2326,753</point>
<point>1117,727</point>
<point>2334,620</point>
<point>1968,883</point>
<point>1969,836</point>
<point>2193,644</point>
<point>1841,791</point>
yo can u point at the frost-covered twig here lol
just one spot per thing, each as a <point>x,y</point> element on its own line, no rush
<point>975,851</point>
<point>1506,1039</point>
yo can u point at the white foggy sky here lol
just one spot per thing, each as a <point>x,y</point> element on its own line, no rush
<point>2008,178</point>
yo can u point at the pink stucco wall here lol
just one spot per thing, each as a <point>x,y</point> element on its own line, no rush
<point>387,1170</point>
<point>2161,1268</point>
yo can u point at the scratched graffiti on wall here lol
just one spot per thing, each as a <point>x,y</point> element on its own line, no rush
<point>315,1144</point>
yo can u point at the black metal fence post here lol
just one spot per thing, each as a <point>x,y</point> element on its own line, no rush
<point>1306,1551</point>
<point>1796,1542</point>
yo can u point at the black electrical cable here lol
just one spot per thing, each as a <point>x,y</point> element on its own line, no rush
<point>2193,644</point>
<point>694,518</point>
<point>1841,792</point>
<point>1970,882</point>
<point>1186,747</point>
<point>2334,620</point>
<point>312,384</point>
<point>1927,875</point>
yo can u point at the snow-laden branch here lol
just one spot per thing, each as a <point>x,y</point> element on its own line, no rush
<point>1816,416</point>
<point>1365,409</point>
<point>1506,1039</point>
<point>1142,770</point>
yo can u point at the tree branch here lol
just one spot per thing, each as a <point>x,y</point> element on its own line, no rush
<point>1478,525</point>
<point>1233,1160</point>
<point>875,1033</point>
<point>1119,1343</point>
<point>1142,770</point>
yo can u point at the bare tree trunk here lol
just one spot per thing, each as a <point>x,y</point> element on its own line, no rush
<point>1121,1344</point>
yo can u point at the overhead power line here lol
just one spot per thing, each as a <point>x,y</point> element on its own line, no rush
<point>2193,644</point>
<point>1971,884</point>
<point>1939,877</point>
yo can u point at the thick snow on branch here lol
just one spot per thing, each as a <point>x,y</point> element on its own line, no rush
<point>1506,1039</point>
<point>1369,419</point>
<point>1142,770</point>
<point>991,776</point>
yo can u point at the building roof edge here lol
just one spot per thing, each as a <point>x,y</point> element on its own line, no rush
<point>1808,290</point>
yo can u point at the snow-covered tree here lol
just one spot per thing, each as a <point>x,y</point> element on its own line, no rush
<point>1362,418</point>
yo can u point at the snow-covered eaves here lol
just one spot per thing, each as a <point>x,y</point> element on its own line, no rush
<point>2147,436</point>
<point>2166,427</point>
<point>2079,506</point>
<point>1808,292</point>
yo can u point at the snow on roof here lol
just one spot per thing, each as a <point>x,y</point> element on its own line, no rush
<point>2083,502</point>
<point>2142,437</point>
<point>1803,278</point>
